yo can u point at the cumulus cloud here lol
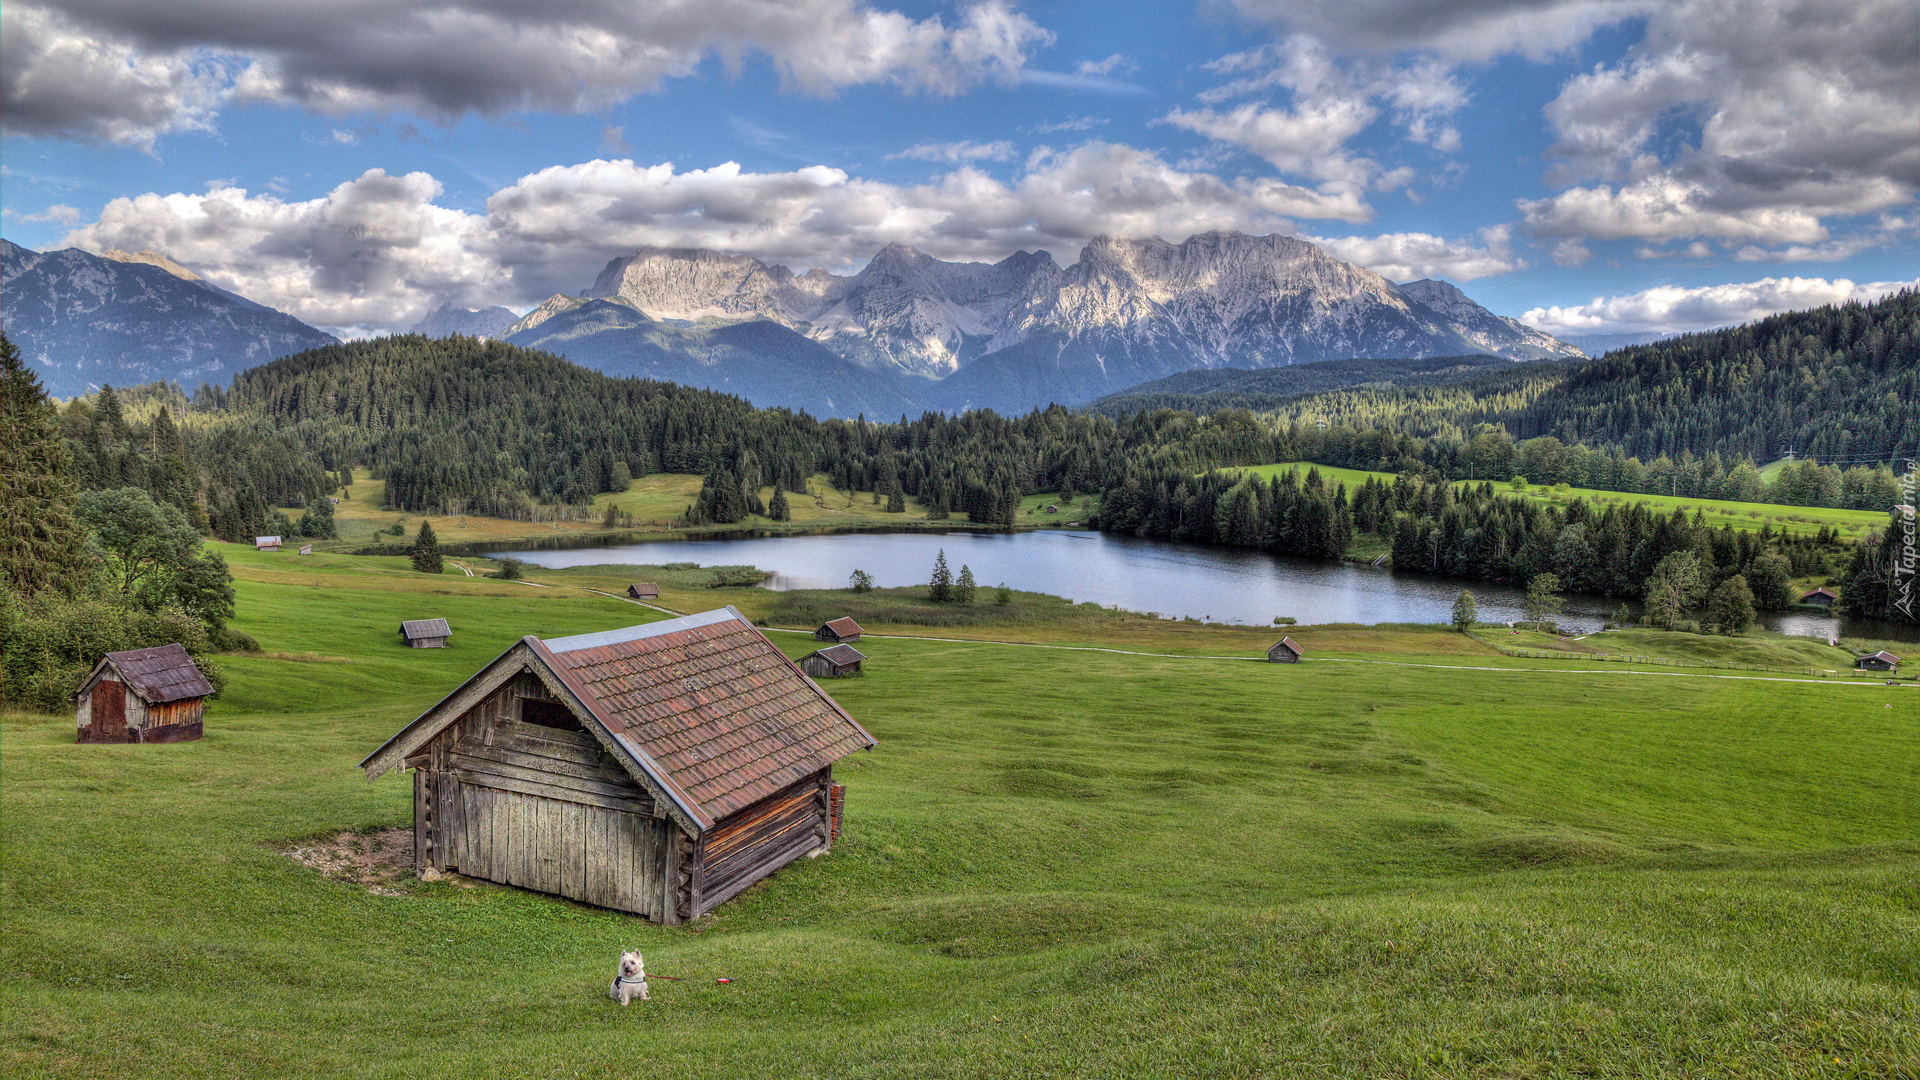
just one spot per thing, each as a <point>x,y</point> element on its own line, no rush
<point>1329,103</point>
<point>1459,30</point>
<point>126,73</point>
<point>1412,256</point>
<point>1743,122</point>
<point>378,250</point>
<point>371,254</point>
<point>1675,310</point>
<point>964,150</point>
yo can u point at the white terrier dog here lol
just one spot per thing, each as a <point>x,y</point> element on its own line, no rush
<point>631,980</point>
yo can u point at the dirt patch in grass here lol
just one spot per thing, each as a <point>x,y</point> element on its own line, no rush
<point>381,859</point>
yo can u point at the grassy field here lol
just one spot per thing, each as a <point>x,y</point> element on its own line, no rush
<point>1406,857</point>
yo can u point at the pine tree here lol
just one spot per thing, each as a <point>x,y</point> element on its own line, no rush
<point>940,589</point>
<point>963,588</point>
<point>41,545</point>
<point>778,510</point>
<point>426,550</point>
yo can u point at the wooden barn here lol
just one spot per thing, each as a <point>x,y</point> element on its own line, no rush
<point>1880,661</point>
<point>426,633</point>
<point>142,696</point>
<point>644,590</point>
<point>842,631</point>
<point>1285,651</point>
<point>1820,598</point>
<point>660,769</point>
<point>832,662</point>
<point>266,543</point>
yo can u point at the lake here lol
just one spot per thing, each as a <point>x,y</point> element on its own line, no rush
<point>1168,577</point>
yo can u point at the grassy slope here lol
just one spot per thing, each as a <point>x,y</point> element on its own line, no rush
<point>1057,862</point>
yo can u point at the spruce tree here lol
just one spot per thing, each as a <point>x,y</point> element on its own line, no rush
<point>426,550</point>
<point>778,510</point>
<point>963,588</point>
<point>41,545</point>
<point>940,589</point>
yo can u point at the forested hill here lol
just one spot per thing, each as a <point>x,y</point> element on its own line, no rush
<point>1206,390</point>
<point>1835,384</point>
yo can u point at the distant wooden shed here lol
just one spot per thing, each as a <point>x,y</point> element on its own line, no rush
<point>266,543</point>
<point>306,549</point>
<point>842,630</point>
<point>142,696</point>
<point>1286,651</point>
<point>426,633</point>
<point>832,662</point>
<point>1820,598</point>
<point>659,769</point>
<point>644,590</point>
<point>1880,661</point>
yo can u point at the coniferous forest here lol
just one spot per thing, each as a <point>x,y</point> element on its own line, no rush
<point>463,425</point>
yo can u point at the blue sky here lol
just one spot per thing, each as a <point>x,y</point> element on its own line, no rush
<point>1592,166</point>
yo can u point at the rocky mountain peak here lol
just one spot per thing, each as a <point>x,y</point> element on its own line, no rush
<point>152,258</point>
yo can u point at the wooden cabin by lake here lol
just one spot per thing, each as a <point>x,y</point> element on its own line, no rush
<point>843,631</point>
<point>659,769</point>
<point>1820,597</point>
<point>644,590</point>
<point>832,662</point>
<point>1285,651</point>
<point>153,695</point>
<point>1880,661</point>
<point>426,633</point>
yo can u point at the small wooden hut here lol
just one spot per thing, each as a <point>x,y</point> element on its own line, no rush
<point>644,590</point>
<point>142,696</point>
<point>832,662</point>
<point>266,543</point>
<point>660,769</point>
<point>306,549</point>
<point>1285,651</point>
<point>1820,597</point>
<point>842,631</point>
<point>1880,661</point>
<point>426,633</point>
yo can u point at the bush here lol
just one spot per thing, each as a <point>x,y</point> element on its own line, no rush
<point>48,644</point>
<point>509,569</point>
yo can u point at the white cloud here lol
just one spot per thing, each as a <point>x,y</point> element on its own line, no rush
<point>377,251</point>
<point>1108,66</point>
<point>1675,310</point>
<point>372,253</point>
<point>59,213</point>
<point>1459,30</point>
<point>1412,256</point>
<point>964,150</point>
<point>1072,123</point>
<point>127,73</point>
<point>1329,104</point>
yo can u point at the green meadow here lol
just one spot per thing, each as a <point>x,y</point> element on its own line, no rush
<point>1145,855</point>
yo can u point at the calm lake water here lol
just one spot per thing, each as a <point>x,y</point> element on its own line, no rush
<point>1171,578</point>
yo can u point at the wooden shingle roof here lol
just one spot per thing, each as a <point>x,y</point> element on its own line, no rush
<point>844,627</point>
<point>160,674</point>
<point>425,628</point>
<point>840,654</point>
<point>720,714</point>
<point>1290,645</point>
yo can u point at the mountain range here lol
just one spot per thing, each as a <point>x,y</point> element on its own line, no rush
<point>908,332</point>
<point>82,320</point>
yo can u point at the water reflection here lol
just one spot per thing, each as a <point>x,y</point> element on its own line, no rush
<point>1168,577</point>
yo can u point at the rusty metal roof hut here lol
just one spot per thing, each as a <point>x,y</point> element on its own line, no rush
<point>426,633</point>
<point>644,590</point>
<point>142,696</point>
<point>660,769</point>
<point>1285,651</point>
<point>832,662</point>
<point>1878,661</point>
<point>842,630</point>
